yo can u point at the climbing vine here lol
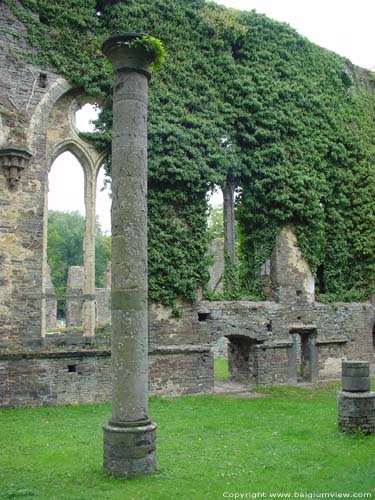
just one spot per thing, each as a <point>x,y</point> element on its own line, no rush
<point>298,119</point>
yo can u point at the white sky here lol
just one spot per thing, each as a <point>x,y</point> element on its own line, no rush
<point>346,27</point>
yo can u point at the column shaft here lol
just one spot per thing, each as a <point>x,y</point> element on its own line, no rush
<point>129,437</point>
<point>88,309</point>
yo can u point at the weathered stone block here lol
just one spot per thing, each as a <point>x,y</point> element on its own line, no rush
<point>129,451</point>
<point>355,369</point>
<point>356,411</point>
<point>356,384</point>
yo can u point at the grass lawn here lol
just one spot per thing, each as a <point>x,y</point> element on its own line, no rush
<point>221,369</point>
<point>207,446</point>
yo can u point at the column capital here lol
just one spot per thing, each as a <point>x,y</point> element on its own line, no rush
<point>126,51</point>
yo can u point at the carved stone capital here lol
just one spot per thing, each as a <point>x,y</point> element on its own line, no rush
<point>13,161</point>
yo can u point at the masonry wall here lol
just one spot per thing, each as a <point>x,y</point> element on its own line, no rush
<point>72,369</point>
<point>22,209</point>
<point>45,379</point>
<point>262,332</point>
<point>345,332</point>
<point>184,371</point>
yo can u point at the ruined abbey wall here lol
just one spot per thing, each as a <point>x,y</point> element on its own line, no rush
<point>291,338</point>
<point>285,339</point>
<point>37,115</point>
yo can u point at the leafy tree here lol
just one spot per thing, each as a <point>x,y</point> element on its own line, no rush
<point>215,222</point>
<point>65,247</point>
<point>103,251</point>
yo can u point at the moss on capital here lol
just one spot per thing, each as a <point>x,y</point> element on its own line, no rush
<point>145,47</point>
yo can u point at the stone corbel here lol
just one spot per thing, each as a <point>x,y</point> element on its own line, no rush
<point>13,161</point>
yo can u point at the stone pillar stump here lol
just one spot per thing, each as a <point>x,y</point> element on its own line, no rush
<point>129,437</point>
<point>356,403</point>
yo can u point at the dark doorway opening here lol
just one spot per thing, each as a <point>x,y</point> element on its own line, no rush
<point>305,355</point>
<point>242,364</point>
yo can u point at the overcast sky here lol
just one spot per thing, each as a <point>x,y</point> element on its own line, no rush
<point>344,26</point>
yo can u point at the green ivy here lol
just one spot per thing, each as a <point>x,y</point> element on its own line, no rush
<point>238,95</point>
<point>153,46</point>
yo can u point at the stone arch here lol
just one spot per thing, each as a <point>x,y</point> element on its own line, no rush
<point>37,128</point>
<point>61,136</point>
<point>78,149</point>
<point>87,163</point>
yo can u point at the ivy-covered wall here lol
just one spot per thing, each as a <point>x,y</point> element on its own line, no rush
<point>243,96</point>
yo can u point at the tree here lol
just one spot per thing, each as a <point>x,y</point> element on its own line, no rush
<point>215,222</point>
<point>65,247</point>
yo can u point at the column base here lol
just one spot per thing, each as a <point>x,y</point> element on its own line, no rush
<point>356,411</point>
<point>129,449</point>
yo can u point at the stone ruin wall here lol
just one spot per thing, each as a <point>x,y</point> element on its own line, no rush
<point>76,370</point>
<point>262,349</point>
<point>36,114</point>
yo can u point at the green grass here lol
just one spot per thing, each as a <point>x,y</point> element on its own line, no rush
<point>207,445</point>
<point>221,369</point>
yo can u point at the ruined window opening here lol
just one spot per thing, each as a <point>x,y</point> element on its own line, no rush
<point>66,185</point>
<point>204,316</point>
<point>43,80</point>
<point>66,230</point>
<point>215,214</point>
<point>373,337</point>
<point>85,117</point>
<point>61,313</point>
<point>103,201</point>
<point>103,249</point>
<point>319,283</point>
<point>215,231</point>
<point>72,368</point>
<point>298,293</point>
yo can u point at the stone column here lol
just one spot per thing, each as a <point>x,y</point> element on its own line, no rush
<point>88,306</point>
<point>356,404</point>
<point>129,437</point>
<point>74,284</point>
<point>229,234</point>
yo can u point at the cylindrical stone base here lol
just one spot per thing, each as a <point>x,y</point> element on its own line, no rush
<point>356,384</point>
<point>129,451</point>
<point>355,376</point>
<point>356,412</point>
<point>355,368</point>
